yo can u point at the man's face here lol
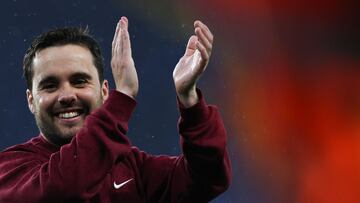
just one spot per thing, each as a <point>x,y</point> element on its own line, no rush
<point>66,88</point>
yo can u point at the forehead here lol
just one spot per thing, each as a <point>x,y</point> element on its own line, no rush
<point>62,61</point>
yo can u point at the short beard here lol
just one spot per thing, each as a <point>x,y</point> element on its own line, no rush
<point>51,132</point>
<point>54,135</point>
<point>55,140</point>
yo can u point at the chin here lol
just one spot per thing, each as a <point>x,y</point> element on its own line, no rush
<point>69,134</point>
<point>64,136</point>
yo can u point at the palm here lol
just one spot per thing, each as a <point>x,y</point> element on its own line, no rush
<point>188,71</point>
<point>194,62</point>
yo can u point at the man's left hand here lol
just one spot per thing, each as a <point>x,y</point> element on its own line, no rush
<point>193,64</point>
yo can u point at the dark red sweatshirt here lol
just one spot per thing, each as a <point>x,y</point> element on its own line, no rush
<point>100,165</point>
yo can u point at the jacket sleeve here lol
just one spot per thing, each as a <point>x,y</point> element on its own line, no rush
<point>78,168</point>
<point>203,171</point>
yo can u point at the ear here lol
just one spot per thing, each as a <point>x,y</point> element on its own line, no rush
<point>105,90</point>
<point>30,100</point>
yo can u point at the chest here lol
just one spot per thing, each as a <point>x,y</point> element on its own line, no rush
<point>121,184</point>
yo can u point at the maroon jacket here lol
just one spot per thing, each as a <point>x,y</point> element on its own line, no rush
<point>100,165</point>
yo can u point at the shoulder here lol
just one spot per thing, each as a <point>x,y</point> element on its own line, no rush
<point>20,153</point>
<point>23,147</point>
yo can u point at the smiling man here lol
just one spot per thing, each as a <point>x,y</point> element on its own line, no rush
<point>65,88</point>
<point>82,153</point>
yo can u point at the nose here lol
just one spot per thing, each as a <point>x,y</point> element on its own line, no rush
<point>67,96</point>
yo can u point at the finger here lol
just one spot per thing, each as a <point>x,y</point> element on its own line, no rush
<point>121,37</point>
<point>206,31</point>
<point>203,52</point>
<point>199,33</point>
<point>118,40</point>
<point>126,44</point>
<point>191,46</point>
<point>124,18</point>
<point>117,30</point>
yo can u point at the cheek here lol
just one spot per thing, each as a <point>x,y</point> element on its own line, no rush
<point>43,102</point>
<point>90,96</point>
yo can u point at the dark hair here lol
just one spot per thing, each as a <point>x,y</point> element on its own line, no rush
<point>58,37</point>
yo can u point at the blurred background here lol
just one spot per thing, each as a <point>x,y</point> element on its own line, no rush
<point>285,75</point>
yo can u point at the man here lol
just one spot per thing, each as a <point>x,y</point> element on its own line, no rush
<point>82,153</point>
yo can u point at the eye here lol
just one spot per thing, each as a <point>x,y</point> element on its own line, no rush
<point>49,86</point>
<point>80,82</point>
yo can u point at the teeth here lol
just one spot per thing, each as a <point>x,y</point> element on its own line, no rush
<point>69,114</point>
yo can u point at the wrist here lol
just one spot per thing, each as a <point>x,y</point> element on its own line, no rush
<point>188,99</point>
<point>129,92</point>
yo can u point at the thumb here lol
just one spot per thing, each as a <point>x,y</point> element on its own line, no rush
<point>191,45</point>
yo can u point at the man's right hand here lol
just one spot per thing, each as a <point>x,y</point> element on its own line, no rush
<point>122,63</point>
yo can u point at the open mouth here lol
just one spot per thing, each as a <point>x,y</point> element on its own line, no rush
<point>69,114</point>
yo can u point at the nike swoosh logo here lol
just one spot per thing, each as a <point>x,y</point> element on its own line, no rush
<point>117,186</point>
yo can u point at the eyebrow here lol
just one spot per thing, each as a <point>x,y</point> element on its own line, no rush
<point>81,75</point>
<point>52,78</point>
<point>47,79</point>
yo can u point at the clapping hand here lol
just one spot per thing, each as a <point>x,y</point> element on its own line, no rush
<point>193,64</point>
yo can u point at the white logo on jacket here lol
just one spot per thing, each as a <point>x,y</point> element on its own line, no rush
<point>117,186</point>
